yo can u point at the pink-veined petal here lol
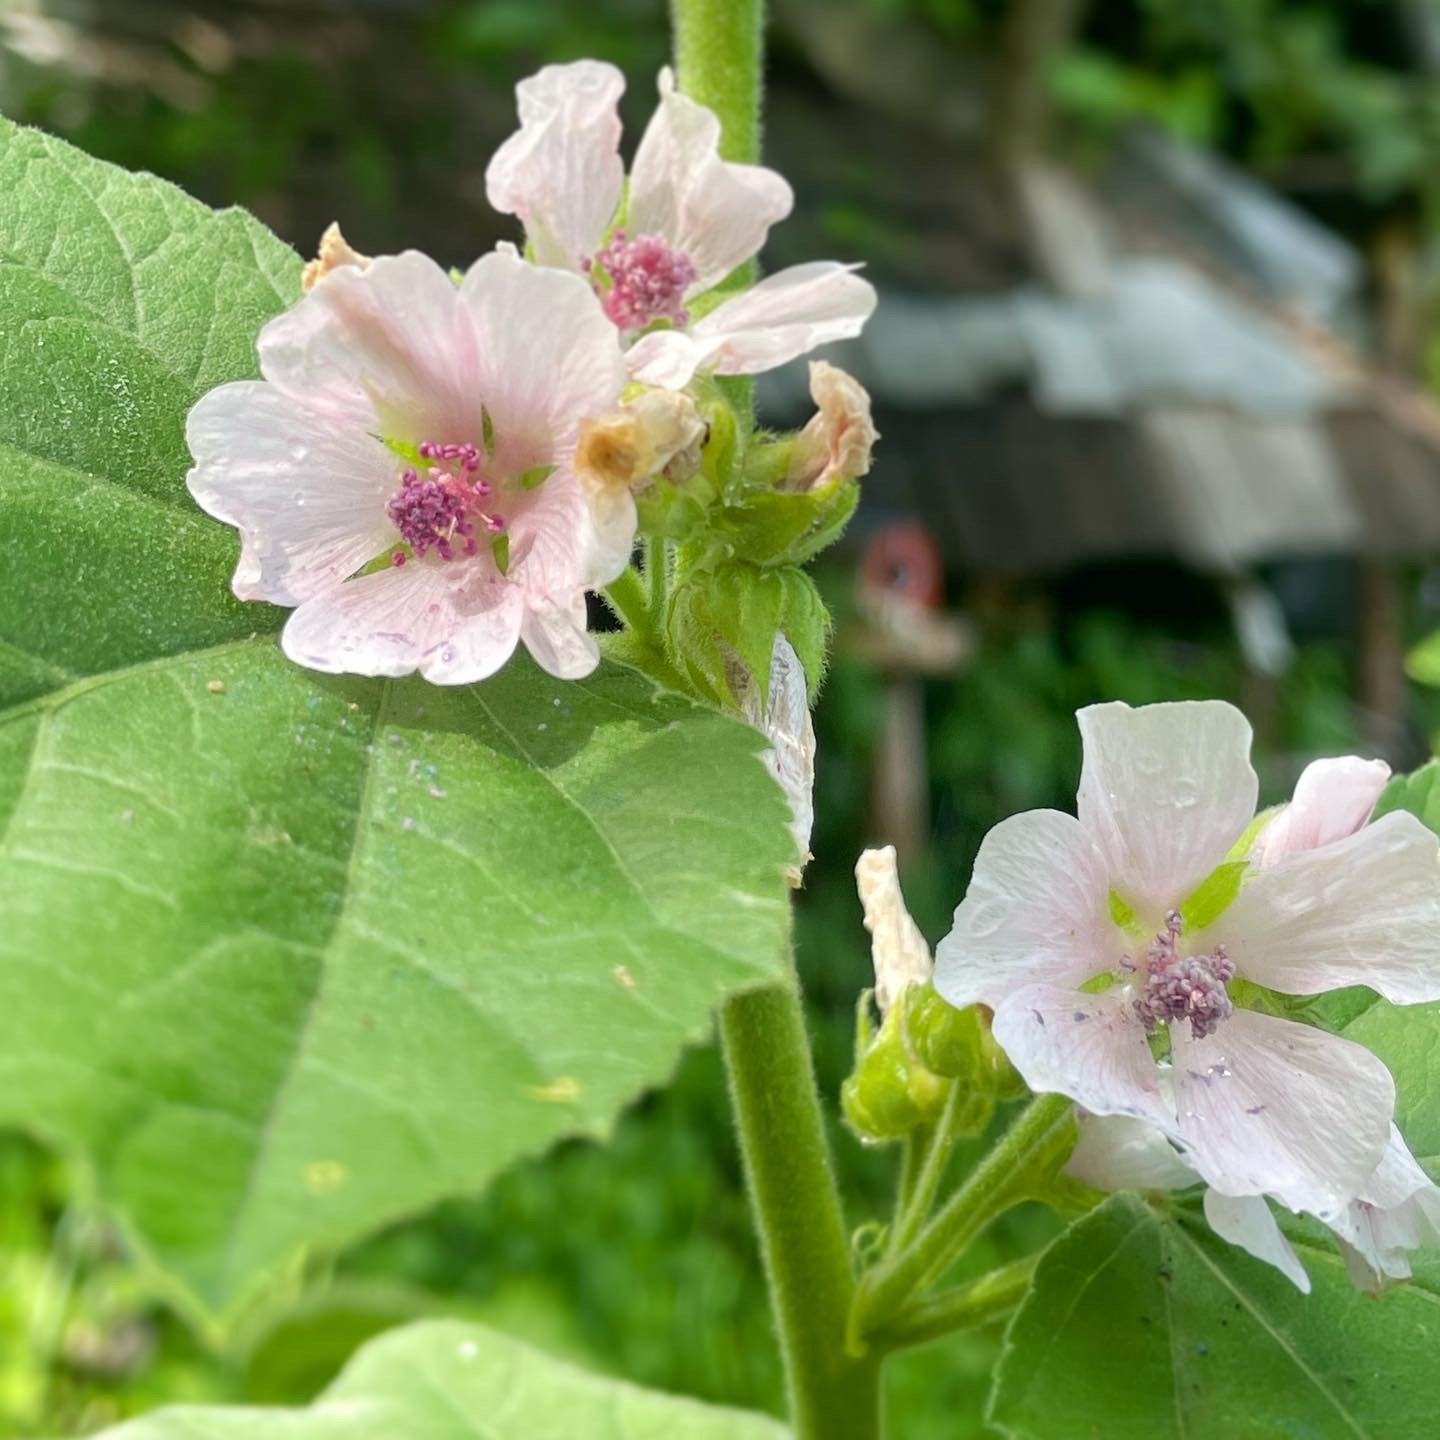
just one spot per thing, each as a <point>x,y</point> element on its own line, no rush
<point>562,542</point>
<point>1360,911</point>
<point>308,497</point>
<point>453,623</point>
<point>1089,1047</point>
<point>715,212</point>
<point>1333,799</point>
<point>1116,1152</point>
<point>1270,1107</point>
<point>786,315</point>
<point>556,637</point>
<point>561,171</point>
<point>1037,909</point>
<point>387,349</point>
<point>1165,790</point>
<point>1246,1221</point>
<point>548,357</point>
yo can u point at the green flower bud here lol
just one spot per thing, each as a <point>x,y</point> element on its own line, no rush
<point>889,1092</point>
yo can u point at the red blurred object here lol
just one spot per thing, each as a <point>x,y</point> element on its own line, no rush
<point>902,562</point>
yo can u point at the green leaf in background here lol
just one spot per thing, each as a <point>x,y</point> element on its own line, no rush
<point>1417,792</point>
<point>285,957</point>
<point>1148,1327</point>
<point>444,1380</point>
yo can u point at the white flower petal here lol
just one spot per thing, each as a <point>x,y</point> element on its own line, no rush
<point>1089,1047</point>
<point>308,497</point>
<point>1165,790</point>
<point>561,172</point>
<point>716,212</point>
<point>556,637</point>
<point>386,349</point>
<point>1269,1107</point>
<point>1397,1211</point>
<point>1037,908</point>
<point>1246,1221</point>
<point>898,949</point>
<point>548,357</point>
<point>453,623</point>
<point>668,358</point>
<point>1333,799</point>
<point>785,315</point>
<point>1116,1152</point>
<point>1360,911</point>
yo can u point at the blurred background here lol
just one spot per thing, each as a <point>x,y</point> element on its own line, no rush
<point>1154,367</point>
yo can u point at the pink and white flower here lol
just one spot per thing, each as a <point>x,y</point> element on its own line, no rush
<point>1091,938</point>
<point>689,219</point>
<point>402,475</point>
<point>1396,1211</point>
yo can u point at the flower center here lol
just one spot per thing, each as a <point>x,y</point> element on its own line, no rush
<point>442,507</point>
<point>1183,987</point>
<point>648,280</point>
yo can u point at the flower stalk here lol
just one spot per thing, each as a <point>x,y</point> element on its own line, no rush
<point>1024,1160</point>
<point>992,1297</point>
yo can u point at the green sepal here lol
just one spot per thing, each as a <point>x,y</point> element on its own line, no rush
<point>785,527</point>
<point>678,507</point>
<point>535,477</point>
<point>951,1043</point>
<point>407,450</point>
<point>500,549</point>
<point>889,1092</point>
<point>722,622</point>
<point>1211,898</point>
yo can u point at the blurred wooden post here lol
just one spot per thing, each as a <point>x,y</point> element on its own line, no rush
<point>1381,632</point>
<point>904,635</point>
<point>899,784</point>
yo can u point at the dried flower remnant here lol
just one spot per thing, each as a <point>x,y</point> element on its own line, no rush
<point>784,719</point>
<point>403,474</point>
<point>335,252</point>
<point>658,431</point>
<point>1047,935</point>
<point>838,439</point>
<point>898,949</point>
<point>689,220</point>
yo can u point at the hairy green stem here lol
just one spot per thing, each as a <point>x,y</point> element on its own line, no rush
<point>912,1214</point>
<point>833,1394</point>
<point>718,54</point>
<point>1026,1157</point>
<point>991,1297</point>
<point>657,578</point>
<point>626,596</point>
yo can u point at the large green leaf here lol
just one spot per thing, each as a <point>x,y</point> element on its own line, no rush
<point>1143,1326</point>
<point>448,1381</point>
<point>285,957</point>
